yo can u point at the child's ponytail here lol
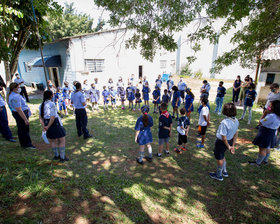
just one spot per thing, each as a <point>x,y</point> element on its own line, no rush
<point>145,119</point>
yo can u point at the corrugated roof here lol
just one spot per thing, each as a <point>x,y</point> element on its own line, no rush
<point>272,53</point>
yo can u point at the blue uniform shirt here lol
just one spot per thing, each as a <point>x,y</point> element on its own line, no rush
<point>59,97</point>
<point>66,92</point>
<point>189,101</point>
<point>50,110</point>
<point>176,95</point>
<point>145,134</point>
<point>105,94</point>
<point>16,100</point>
<point>271,121</point>
<point>165,98</point>
<point>250,96</point>
<point>2,102</point>
<point>228,128</point>
<point>158,83</point>
<point>221,91</point>
<point>170,84</point>
<point>182,86</point>
<point>183,122</point>
<point>78,99</point>
<point>164,121</point>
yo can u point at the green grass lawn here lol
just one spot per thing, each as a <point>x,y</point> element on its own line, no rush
<point>102,183</point>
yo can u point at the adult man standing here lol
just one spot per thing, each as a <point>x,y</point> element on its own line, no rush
<point>205,89</point>
<point>20,81</point>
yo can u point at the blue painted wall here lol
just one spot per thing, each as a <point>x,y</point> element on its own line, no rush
<point>37,74</point>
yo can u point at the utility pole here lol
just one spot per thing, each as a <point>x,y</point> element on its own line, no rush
<point>40,45</point>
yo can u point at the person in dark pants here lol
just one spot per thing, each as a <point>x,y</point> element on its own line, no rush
<point>79,101</point>
<point>4,124</point>
<point>21,113</point>
<point>20,81</point>
<point>236,90</point>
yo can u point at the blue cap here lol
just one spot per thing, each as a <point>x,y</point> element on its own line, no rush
<point>145,109</point>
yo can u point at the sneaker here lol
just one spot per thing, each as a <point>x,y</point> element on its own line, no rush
<point>56,158</point>
<point>184,149</point>
<point>214,176</point>
<point>63,160</point>
<point>139,162</point>
<point>253,163</point>
<point>219,113</point>
<point>89,136</point>
<point>157,155</point>
<point>11,140</point>
<point>225,174</point>
<point>249,122</point>
<point>30,147</point>
<point>178,151</point>
<point>200,146</point>
<point>148,159</point>
<point>166,152</point>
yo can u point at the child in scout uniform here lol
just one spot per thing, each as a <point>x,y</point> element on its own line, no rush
<point>143,135</point>
<point>94,96</point>
<point>106,95</point>
<point>66,90</point>
<point>182,87</point>
<point>164,129</point>
<point>79,102</point>
<point>266,137</point>
<point>122,96</point>
<point>145,92</point>
<point>52,124</point>
<point>130,95</point>
<point>221,91</point>
<point>156,98</point>
<point>250,96</point>
<point>60,99</point>
<point>21,113</point>
<point>189,102</point>
<point>113,96</point>
<point>138,100</point>
<point>176,101</point>
<point>183,131</point>
<point>226,139</point>
<point>165,97</point>
<point>203,122</point>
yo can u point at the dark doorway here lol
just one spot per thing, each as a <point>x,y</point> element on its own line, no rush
<point>55,76</point>
<point>270,78</point>
<point>140,71</point>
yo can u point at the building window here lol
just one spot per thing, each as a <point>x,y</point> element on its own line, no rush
<point>94,65</point>
<point>27,67</point>
<point>270,78</point>
<point>163,64</point>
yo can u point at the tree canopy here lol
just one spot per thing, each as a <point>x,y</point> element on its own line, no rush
<point>18,29</point>
<point>71,23</point>
<point>156,21</point>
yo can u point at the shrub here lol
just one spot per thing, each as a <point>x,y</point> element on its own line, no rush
<point>198,74</point>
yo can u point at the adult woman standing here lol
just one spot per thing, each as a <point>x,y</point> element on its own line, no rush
<point>236,90</point>
<point>4,124</point>
<point>51,123</point>
<point>21,113</point>
<point>79,102</point>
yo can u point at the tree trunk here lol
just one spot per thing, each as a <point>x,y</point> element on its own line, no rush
<point>8,73</point>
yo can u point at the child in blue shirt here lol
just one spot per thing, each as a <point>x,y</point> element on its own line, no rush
<point>165,97</point>
<point>164,129</point>
<point>105,94</point>
<point>94,96</point>
<point>176,101</point>
<point>221,91</point>
<point>156,98</point>
<point>138,99</point>
<point>189,102</point>
<point>143,135</point>
<point>130,96</point>
<point>145,92</point>
<point>183,131</point>
<point>60,99</point>
<point>122,96</point>
<point>113,95</point>
<point>226,139</point>
<point>250,96</point>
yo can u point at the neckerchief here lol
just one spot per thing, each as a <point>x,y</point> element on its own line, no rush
<point>165,113</point>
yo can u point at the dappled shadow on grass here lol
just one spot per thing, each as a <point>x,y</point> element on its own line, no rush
<point>103,184</point>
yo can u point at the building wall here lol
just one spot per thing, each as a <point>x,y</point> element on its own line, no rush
<point>37,73</point>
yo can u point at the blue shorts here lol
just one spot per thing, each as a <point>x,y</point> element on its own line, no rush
<point>62,105</point>
<point>161,141</point>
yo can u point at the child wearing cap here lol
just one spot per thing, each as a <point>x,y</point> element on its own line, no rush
<point>60,99</point>
<point>143,135</point>
<point>164,129</point>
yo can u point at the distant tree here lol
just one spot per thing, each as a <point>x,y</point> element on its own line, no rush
<point>156,21</point>
<point>71,23</point>
<point>18,30</point>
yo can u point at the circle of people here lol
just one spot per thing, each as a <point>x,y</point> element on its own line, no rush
<point>58,99</point>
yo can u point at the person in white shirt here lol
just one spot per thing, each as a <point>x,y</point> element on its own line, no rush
<point>203,122</point>
<point>20,81</point>
<point>226,139</point>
